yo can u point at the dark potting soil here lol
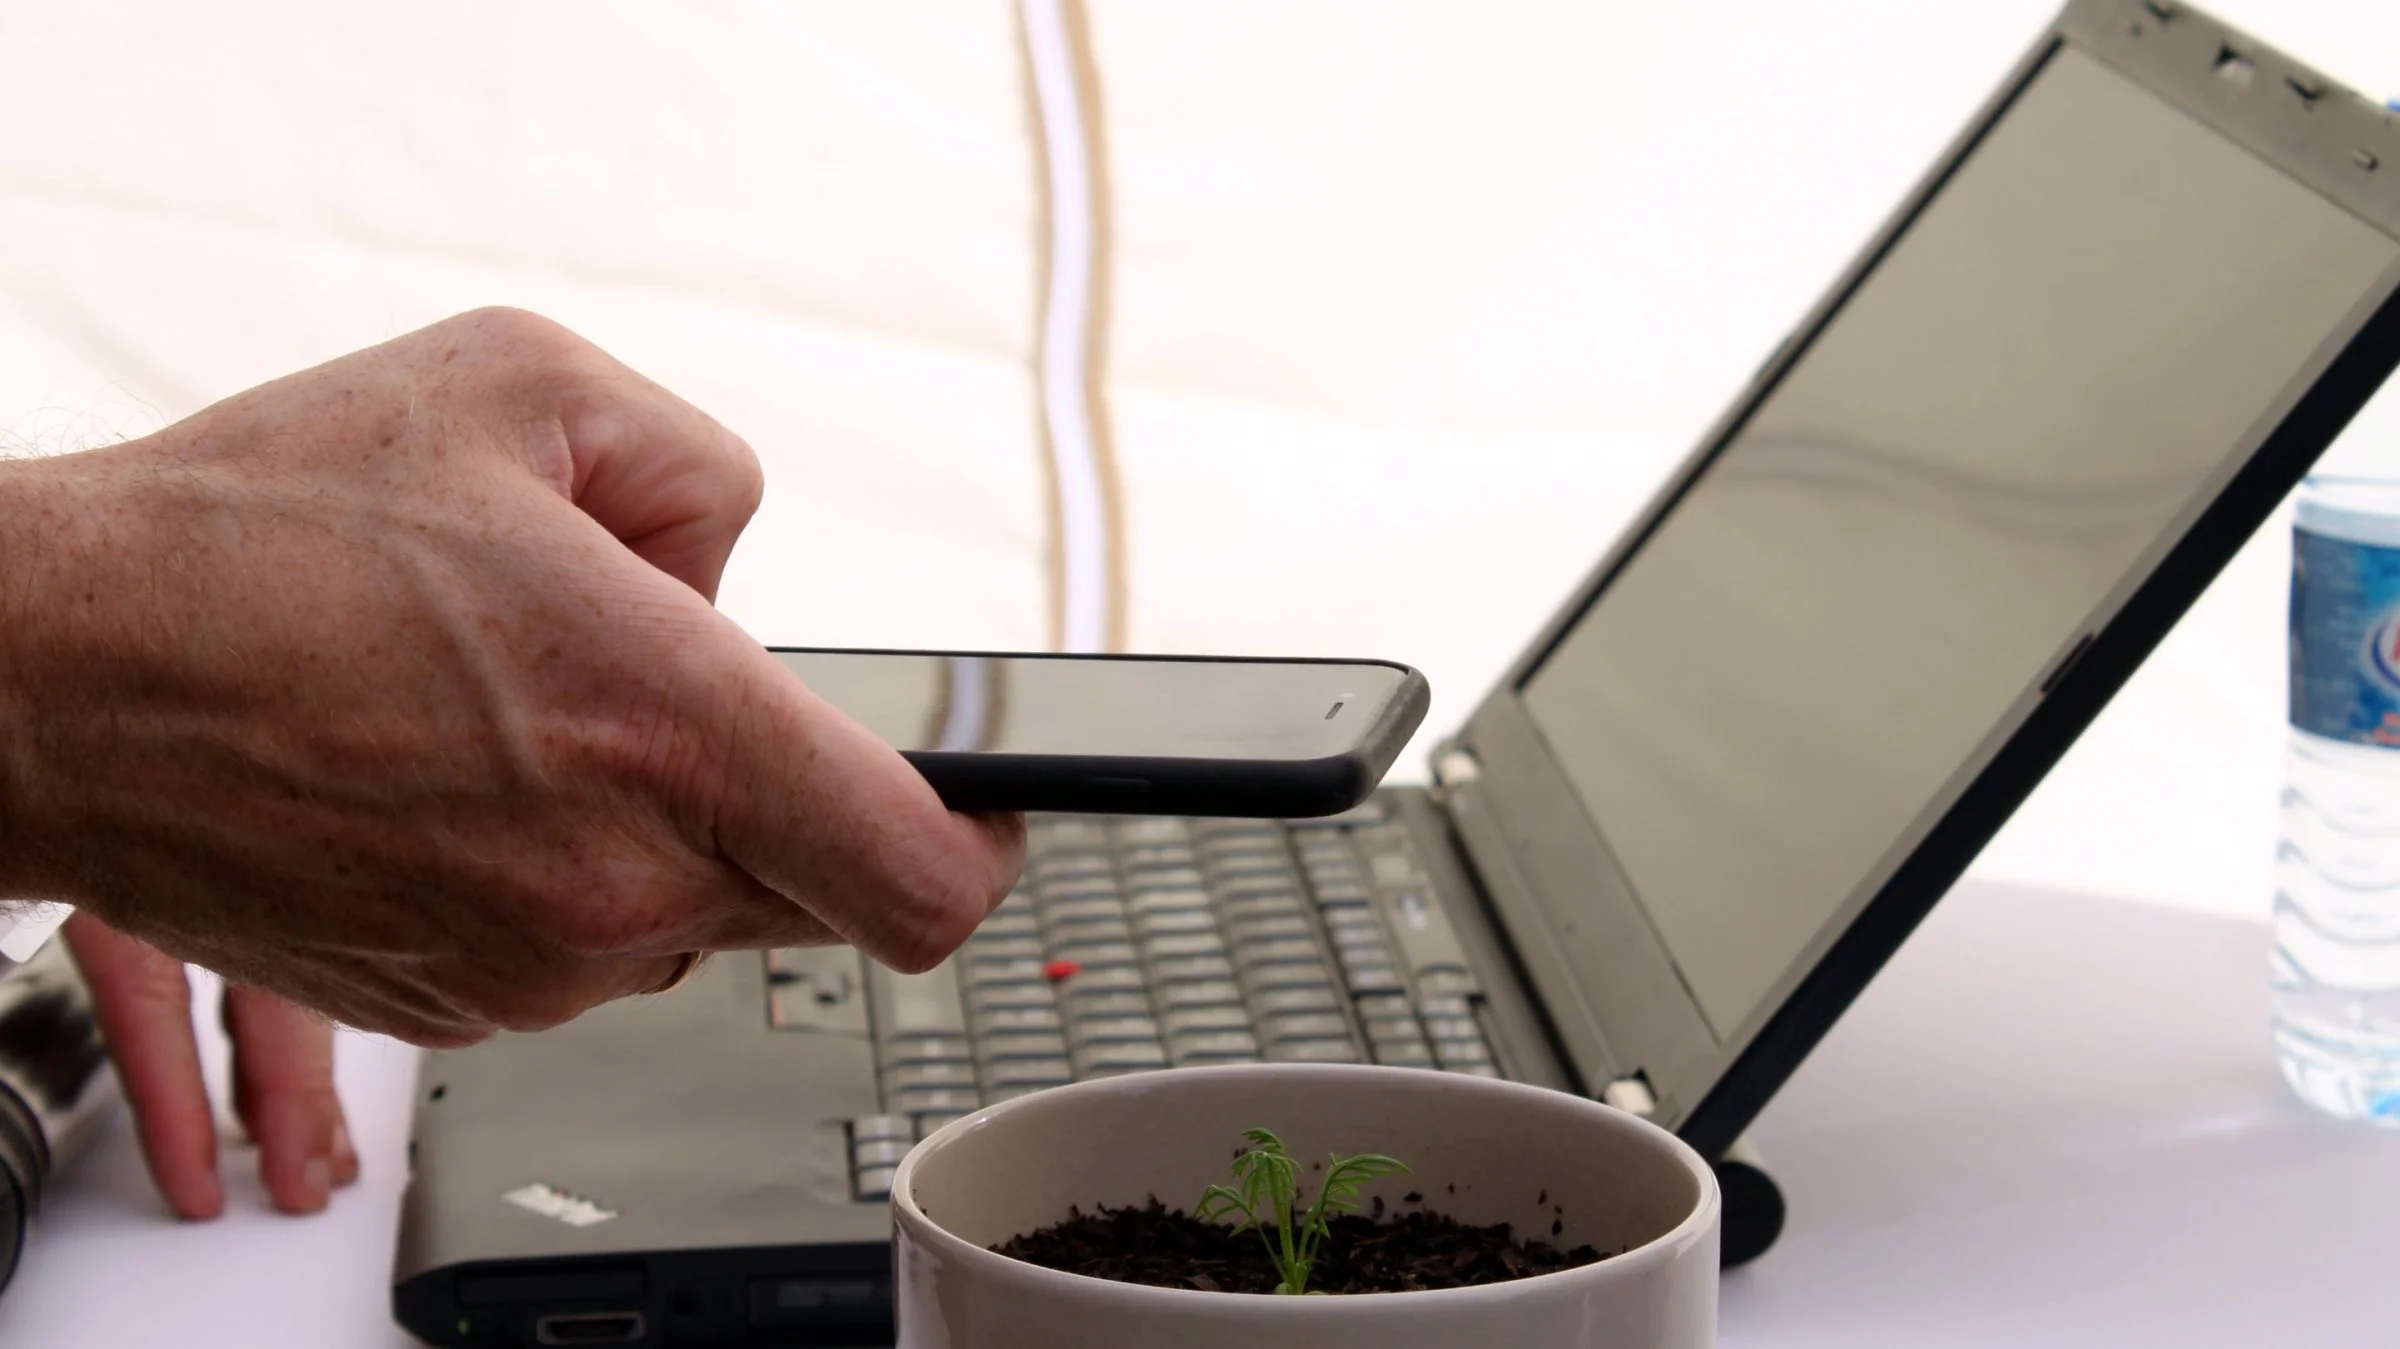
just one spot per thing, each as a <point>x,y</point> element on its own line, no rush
<point>1402,1252</point>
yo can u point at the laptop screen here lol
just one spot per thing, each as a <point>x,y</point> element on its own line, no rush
<point>2053,365</point>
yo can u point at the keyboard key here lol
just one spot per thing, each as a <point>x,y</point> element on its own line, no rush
<point>984,973</point>
<point>1001,1021</point>
<point>920,1100</point>
<point>1462,1053</point>
<point>1369,977</point>
<point>1277,951</point>
<point>1006,922</point>
<point>1276,1001</point>
<point>1096,955</point>
<point>998,1094</point>
<point>1343,894</point>
<point>902,1076</point>
<point>1059,855</point>
<point>1234,828</point>
<point>880,1152</point>
<point>1105,1029</point>
<point>984,1001</point>
<point>1092,931</point>
<point>1386,1007</point>
<point>1339,922</point>
<point>1184,944</point>
<point>1312,1051</point>
<point>1057,889</point>
<point>1191,969</point>
<point>1394,1032</point>
<point>1167,901</point>
<point>1452,1028</point>
<point>1069,913</point>
<point>1155,856</point>
<point>1026,1044</point>
<point>1258,906</point>
<point>1361,932</point>
<point>880,1126</point>
<point>1206,993</point>
<point>1105,979</point>
<point>1259,978</point>
<point>1107,1002</point>
<point>1175,922</point>
<point>1230,860</point>
<point>1261,886</point>
<point>1304,1026</point>
<point>1392,868</point>
<point>1188,1019</point>
<point>1403,1054</point>
<point>1267,927</point>
<point>1095,1060</point>
<point>1215,1046</point>
<point>1152,829</point>
<point>983,948</point>
<point>1079,890</point>
<point>1443,1004</point>
<point>1049,1072</point>
<point>876,1182</point>
<point>1168,879</point>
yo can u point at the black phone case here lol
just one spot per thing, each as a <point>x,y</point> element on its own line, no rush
<point>1113,785</point>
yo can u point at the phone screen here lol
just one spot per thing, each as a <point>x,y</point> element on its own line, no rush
<point>1104,706</point>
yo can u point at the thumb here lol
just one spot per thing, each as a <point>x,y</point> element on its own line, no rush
<point>823,813</point>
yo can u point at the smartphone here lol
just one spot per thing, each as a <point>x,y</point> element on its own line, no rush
<point>1129,735</point>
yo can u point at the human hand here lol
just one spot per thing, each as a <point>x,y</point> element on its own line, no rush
<point>282,1078</point>
<point>393,687</point>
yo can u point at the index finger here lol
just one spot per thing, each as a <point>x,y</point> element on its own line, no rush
<point>143,1003</point>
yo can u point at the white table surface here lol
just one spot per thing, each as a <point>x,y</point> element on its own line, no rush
<point>2052,1121</point>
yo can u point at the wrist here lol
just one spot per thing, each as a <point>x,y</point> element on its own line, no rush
<point>44,527</point>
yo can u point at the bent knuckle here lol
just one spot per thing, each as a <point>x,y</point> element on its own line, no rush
<point>520,327</point>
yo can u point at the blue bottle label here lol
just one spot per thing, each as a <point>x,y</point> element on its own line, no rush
<point>2345,639</point>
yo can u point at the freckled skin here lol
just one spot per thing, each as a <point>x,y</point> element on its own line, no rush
<point>394,688</point>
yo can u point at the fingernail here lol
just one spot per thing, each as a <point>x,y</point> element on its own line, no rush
<point>317,1177</point>
<point>341,1143</point>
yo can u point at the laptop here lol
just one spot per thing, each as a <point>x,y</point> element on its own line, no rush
<point>2080,365</point>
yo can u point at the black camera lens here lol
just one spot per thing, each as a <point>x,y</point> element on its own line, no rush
<point>20,1180</point>
<point>54,1086</point>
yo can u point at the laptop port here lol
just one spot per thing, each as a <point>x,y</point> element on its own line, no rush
<point>589,1328</point>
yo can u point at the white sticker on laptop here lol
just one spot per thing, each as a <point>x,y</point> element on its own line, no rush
<point>572,1209</point>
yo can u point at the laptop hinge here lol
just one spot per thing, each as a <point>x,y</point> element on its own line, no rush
<point>1575,1034</point>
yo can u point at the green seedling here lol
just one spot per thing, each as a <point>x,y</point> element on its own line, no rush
<point>1266,1196</point>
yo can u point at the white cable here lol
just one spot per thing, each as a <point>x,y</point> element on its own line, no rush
<point>967,712</point>
<point>1083,517</point>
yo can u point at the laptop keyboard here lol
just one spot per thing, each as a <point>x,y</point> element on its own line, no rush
<point>1139,943</point>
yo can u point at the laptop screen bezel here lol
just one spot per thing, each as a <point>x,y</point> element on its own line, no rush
<point>1616,1002</point>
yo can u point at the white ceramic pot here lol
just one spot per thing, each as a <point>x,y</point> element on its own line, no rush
<point>1480,1150</point>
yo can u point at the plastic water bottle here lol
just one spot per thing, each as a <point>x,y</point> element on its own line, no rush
<point>2336,964</point>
